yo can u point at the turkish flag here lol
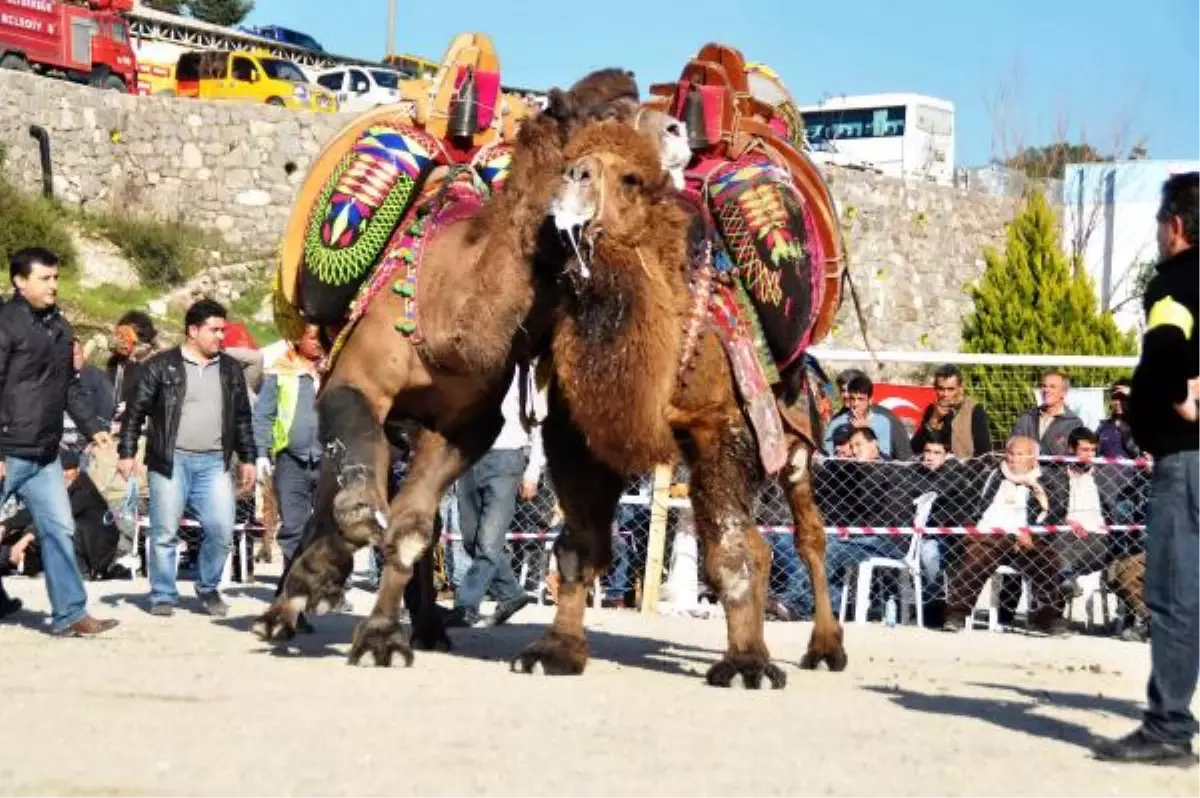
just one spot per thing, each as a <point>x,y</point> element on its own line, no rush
<point>908,402</point>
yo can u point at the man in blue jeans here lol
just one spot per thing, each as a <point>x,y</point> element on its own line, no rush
<point>487,501</point>
<point>1163,405</point>
<point>195,398</point>
<point>36,386</point>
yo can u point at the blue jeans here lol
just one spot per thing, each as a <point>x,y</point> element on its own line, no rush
<point>1172,588</point>
<point>295,489</point>
<point>788,571</point>
<point>200,483</point>
<point>839,553</point>
<point>42,489</point>
<point>487,501</point>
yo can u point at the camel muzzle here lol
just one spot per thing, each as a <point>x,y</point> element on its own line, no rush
<point>574,209</point>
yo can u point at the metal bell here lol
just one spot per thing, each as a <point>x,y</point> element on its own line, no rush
<point>693,116</point>
<point>464,109</point>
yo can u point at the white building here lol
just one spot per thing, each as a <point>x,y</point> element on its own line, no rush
<point>1108,218</point>
<point>903,135</point>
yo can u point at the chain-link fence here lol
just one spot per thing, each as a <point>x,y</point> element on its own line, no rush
<point>935,536</point>
<point>929,537</point>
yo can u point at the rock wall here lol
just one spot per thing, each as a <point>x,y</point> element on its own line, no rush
<point>229,166</point>
<point>235,167</point>
<point>913,249</point>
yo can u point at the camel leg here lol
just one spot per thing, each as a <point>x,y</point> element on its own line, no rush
<point>436,462</point>
<point>349,512</point>
<point>725,473</point>
<point>825,644</point>
<point>587,492</point>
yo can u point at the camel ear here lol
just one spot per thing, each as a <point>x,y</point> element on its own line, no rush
<point>559,105</point>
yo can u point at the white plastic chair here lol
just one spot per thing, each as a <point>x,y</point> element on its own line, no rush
<point>1095,591</point>
<point>909,565</point>
<point>993,606</point>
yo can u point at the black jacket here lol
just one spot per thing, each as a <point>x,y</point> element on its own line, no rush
<point>37,383</point>
<point>161,387</point>
<point>96,534</point>
<point>1170,352</point>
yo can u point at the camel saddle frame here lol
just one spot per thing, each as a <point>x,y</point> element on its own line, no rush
<point>720,72</point>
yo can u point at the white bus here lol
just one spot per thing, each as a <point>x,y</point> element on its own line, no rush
<point>902,135</point>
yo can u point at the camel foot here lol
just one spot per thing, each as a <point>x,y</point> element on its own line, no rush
<point>553,654</point>
<point>836,660</point>
<point>382,638</point>
<point>278,623</point>
<point>825,648</point>
<point>429,632</point>
<point>752,667</point>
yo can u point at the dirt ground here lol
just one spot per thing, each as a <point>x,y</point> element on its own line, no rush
<point>191,705</point>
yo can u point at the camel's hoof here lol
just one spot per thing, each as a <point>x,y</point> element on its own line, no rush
<point>382,638</point>
<point>429,634</point>
<point>276,624</point>
<point>553,654</point>
<point>752,668</point>
<point>835,659</point>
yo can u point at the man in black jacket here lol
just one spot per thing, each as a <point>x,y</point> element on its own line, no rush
<point>195,397</point>
<point>36,387</point>
<point>1163,416</point>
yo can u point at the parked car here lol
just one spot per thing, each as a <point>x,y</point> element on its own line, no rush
<point>252,75</point>
<point>286,36</point>
<point>824,151</point>
<point>361,88</point>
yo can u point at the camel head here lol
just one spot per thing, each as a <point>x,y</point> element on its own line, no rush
<point>671,136</point>
<point>612,185</point>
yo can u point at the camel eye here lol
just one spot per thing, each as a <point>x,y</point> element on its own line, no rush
<point>631,180</point>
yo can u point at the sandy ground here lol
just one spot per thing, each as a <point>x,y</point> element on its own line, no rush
<point>191,705</point>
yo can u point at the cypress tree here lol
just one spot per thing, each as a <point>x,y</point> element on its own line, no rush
<point>1031,301</point>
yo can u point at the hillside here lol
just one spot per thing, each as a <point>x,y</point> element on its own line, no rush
<point>112,262</point>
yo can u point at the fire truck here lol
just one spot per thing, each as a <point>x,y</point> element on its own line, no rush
<point>87,42</point>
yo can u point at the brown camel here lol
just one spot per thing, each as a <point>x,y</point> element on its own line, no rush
<point>620,403</point>
<point>484,307</point>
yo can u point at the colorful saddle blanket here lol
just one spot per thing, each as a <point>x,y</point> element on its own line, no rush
<point>767,239</point>
<point>386,172</point>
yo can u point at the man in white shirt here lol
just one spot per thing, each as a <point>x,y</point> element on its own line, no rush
<point>487,501</point>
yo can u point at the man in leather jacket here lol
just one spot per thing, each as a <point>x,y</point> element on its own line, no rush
<point>199,411</point>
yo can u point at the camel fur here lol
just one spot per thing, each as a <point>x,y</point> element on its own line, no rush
<point>485,304</point>
<point>618,406</point>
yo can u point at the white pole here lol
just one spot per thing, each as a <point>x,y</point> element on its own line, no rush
<point>391,28</point>
<point>973,359</point>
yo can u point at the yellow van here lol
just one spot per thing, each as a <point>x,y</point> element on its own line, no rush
<point>253,76</point>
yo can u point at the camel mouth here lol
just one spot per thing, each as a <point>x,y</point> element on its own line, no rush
<point>574,211</point>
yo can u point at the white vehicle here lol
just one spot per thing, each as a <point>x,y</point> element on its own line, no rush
<point>361,88</point>
<point>823,151</point>
<point>903,135</point>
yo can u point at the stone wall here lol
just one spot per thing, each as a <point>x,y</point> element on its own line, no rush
<point>229,166</point>
<point>235,167</point>
<point>913,248</point>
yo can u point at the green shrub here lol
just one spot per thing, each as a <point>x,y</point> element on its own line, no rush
<point>31,221</point>
<point>164,253</point>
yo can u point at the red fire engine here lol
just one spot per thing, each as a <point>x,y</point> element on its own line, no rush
<point>87,42</point>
